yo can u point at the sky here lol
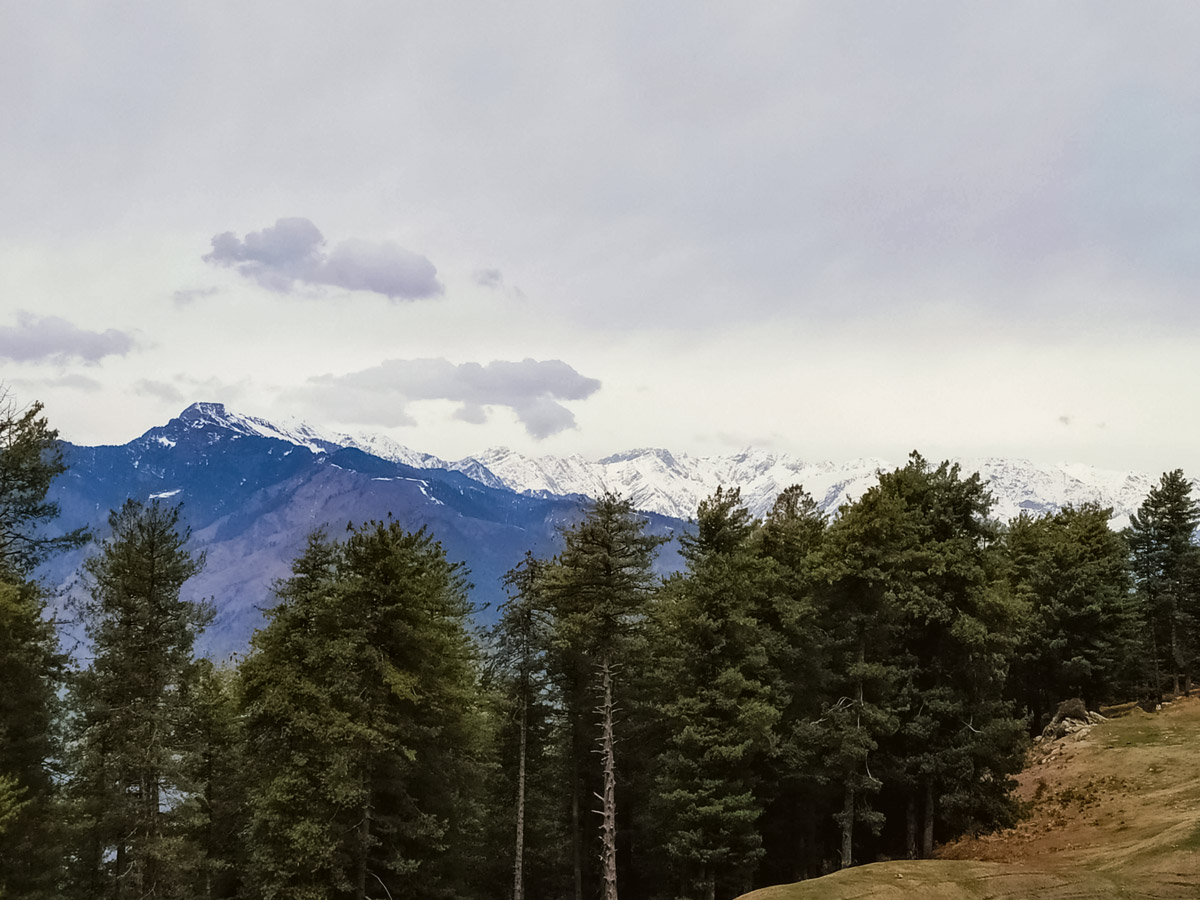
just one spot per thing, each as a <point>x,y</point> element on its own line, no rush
<point>835,229</point>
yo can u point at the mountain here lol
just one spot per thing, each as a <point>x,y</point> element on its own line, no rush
<point>253,489</point>
<point>252,492</point>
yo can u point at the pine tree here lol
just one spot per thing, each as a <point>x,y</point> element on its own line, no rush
<point>130,746</point>
<point>597,591</point>
<point>518,681</point>
<point>1166,568</point>
<point>862,620</point>
<point>361,699</point>
<point>797,787</point>
<point>31,667</point>
<point>30,459</point>
<point>923,629</point>
<point>1079,637</point>
<point>213,816</point>
<point>718,704</point>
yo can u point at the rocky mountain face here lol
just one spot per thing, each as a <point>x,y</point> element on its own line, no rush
<point>251,495</point>
<point>252,490</point>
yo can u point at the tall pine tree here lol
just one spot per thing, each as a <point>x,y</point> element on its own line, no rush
<point>31,666</point>
<point>361,708</point>
<point>597,591</point>
<point>130,744</point>
<point>718,703</point>
<point>1166,568</point>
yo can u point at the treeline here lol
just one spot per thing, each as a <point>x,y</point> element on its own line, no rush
<point>807,693</point>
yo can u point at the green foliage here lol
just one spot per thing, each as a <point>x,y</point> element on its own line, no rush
<point>1166,570</point>
<point>1079,633</point>
<point>30,459</point>
<point>720,712</point>
<point>360,705</point>
<point>130,779</point>
<point>597,592</point>
<point>31,669</point>
<point>923,630</point>
<point>31,666</point>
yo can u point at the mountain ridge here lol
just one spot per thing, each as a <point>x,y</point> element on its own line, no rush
<point>659,480</point>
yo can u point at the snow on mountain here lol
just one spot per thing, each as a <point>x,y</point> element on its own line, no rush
<point>673,484</point>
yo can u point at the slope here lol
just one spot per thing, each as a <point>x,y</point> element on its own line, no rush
<point>1114,811</point>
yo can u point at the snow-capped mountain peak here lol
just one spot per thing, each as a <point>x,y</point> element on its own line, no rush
<point>662,481</point>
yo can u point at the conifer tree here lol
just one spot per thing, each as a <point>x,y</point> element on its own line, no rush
<point>791,539</point>
<point>213,816</point>
<point>862,621</point>
<point>31,667</point>
<point>30,459</point>
<point>130,744</point>
<point>914,571</point>
<point>1079,637</point>
<point>597,591</point>
<point>527,827</point>
<point>718,704</point>
<point>1166,568</point>
<point>360,700</point>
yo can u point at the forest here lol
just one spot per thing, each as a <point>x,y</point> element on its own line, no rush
<point>809,693</point>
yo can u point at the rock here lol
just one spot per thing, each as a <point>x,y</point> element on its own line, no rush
<point>1072,717</point>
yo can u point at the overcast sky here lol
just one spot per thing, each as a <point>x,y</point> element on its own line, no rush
<point>836,229</point>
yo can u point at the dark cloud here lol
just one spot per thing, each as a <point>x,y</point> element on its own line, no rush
<point>532,389</point>
<point>293,251</point>
<point>50,338</point>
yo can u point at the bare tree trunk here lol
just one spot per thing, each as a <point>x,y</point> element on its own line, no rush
<point>364,847</point>
<point>710,885</point>
<point>911,831</point>
<point>576,836</point>
<point>1174,651</point>
<point>608,811</point>
<point>519,853</point>
<point>1156,688</point>
<point>120,871</point>
<point>927,837</point>
<point>848,826</point>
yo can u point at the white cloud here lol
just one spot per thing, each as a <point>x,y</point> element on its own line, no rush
<point>292,250</point>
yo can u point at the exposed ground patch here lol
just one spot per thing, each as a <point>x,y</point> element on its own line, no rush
<point>1113,811</point>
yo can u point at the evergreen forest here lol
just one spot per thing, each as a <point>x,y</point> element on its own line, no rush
<point>808,693</point>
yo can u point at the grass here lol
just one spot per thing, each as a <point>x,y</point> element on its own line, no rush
<point>1114,812</point>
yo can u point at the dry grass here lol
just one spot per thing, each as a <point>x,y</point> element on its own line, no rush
<point>1113,812</point>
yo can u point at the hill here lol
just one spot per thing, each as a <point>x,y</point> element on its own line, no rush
<point>1114,811</point>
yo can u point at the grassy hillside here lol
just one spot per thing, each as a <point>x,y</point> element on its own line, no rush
<point>1113,812</point>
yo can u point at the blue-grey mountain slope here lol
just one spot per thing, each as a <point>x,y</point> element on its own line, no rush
<point>251,500</point>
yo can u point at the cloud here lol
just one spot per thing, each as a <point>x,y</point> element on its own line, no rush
<point>50,338</point>
<point>160,389</point>
<point>183,388</point>
<point>533,389</point>
<point>191,295</point>
<point>293,251</point>
<point>71,382</point>
<point>491,278</point>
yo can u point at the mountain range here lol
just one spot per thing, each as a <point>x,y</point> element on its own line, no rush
<point>252,490</point>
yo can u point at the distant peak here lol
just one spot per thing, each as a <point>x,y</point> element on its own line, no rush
<point>199,410</point>
<point>659,453</point>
